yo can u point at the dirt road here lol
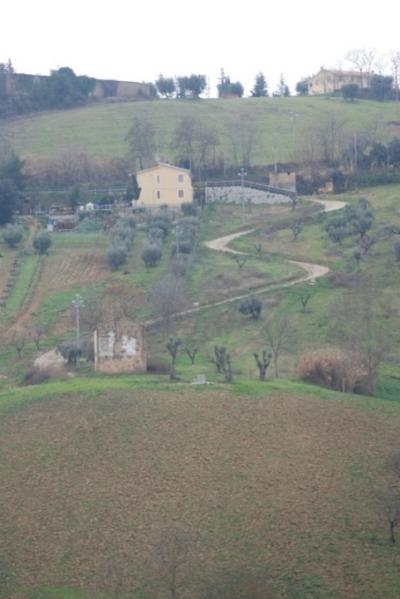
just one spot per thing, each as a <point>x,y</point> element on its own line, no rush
<point>220,244</point>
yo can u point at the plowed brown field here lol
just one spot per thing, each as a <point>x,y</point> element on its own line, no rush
<point>280,484</point>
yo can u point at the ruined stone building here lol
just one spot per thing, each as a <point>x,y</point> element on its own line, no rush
<point>120,349</point>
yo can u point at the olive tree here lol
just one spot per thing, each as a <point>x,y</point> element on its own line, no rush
<point>12,235</point>
<point>42,242</point>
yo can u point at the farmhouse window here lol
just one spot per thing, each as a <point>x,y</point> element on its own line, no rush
<point>158,195</point>
<point>180,193</point>
<point>180,178</point>
<point>158,178</point>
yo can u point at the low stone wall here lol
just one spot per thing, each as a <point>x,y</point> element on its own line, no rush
<point>233,195</point>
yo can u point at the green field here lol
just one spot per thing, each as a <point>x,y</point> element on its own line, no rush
<point>101,129</point>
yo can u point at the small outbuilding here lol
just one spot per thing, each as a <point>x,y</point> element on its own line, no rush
<point>120,349</point>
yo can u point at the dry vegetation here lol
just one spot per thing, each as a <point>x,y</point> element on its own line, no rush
<point>102,492</point>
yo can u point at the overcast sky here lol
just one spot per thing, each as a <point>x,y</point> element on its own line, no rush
<point>136,40</point>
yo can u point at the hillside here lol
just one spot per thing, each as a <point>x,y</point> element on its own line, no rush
<point>100,129</point>
<point>44,286</point>
<point>110,484</point>
<point>129,486</point>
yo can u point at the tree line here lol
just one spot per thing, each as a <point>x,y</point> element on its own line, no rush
<point>194,85</point>
<point>25,93</point>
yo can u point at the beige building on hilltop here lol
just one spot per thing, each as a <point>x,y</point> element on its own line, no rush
<point>327,81</point>
<point>164,184</point>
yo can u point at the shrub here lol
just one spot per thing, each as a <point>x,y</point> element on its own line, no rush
<point>35,376</point>
<point>70,352</point>
<point>151,255</point>
<point>116,257</point>
<point>159,223</point>
<point>189,209</point>
<point>122,236</point>
<point>185,246</point>
<point>342,278</point>
<point>251,306</point>
<point>158,366</point>
<point>41,242</point>
<point>335,369</point>
<point>155,235</point>
<point>128,221</point>
<point>12,235</point>
<point>185,221</point>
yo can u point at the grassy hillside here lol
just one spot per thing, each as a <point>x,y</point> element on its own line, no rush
<point>101,129</point>
<point>276,493</point>
<point>76,264</point>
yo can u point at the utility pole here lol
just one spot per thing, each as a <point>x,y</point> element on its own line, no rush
<point>355,151</point>
<point>275,152</point>
<point>78,303</point>
<point>293,117</point>
<point>177,240</point>
<point>242,174</point>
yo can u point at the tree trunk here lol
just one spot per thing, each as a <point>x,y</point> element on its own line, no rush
<point>276,365</point>
<point>392,537</point>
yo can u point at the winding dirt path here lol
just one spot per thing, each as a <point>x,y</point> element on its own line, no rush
<point>220,244</point>
<point>313,271</point>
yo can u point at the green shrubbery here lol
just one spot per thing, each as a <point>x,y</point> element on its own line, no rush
<point>12,235</point>
<point>42,242</point>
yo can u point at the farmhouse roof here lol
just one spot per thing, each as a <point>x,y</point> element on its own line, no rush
<point>340,72</point>
<point>156,166</point>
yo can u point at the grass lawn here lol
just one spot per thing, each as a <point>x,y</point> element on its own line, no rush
<point>101,128</point>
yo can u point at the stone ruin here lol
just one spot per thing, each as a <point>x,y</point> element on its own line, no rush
<point>120,349</point>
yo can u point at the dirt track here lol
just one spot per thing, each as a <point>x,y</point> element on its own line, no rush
<point>314,271</point>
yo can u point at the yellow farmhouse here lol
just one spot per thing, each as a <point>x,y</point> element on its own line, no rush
<point>164,184</point>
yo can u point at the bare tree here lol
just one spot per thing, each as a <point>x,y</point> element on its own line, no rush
<point>191,352</point>
<point>174,552</point>
<point>93,311</point>
<point>363,59</point>
<point>332,136</point>
<point>243,138</point>
<point>142,142</point>
<point>222,361</point>
<point>206,144</point>
<point>18,342</point>
<point>172,347</point>
<point>186,134</point>
<point>367,242</point>
<point>358,325</point>
<point>262,362</point>
<point>37,331</point>
<point>240,260</point>
<point>279,334</point>
<point>296,230</point>
<point>168,298</point>
<point>325,139</point>
<point>389,501</point>
<point>395,68</point>
<point>304,299</point>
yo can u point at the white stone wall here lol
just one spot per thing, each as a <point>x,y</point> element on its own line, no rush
<point>233,195</point>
